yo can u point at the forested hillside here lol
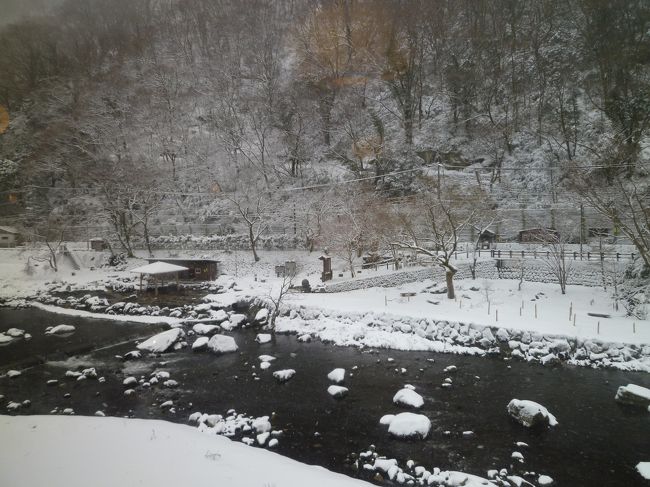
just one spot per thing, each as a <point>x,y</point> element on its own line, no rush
<point>126,116</point>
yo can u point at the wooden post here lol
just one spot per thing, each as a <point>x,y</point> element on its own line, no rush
<point>535,310</point>
<point>574,320</point>
<point>496,314</point>
<point>177,281</point>
<point>634,327</point>
<point>598,328</point>
<point>570,310</point>
<point>141,282</point>
<point>488,307</point>
<point>519,311</point>
<point>156,293</point>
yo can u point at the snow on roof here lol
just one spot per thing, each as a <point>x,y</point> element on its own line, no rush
<point>9,230</point>
<point>182,259</point>
<point>159,268</point>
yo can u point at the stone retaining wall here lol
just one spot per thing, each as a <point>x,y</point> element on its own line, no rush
<point>580,273</point>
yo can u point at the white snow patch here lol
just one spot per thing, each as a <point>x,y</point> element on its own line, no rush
<point>337,375</point>
<point>408,397</point>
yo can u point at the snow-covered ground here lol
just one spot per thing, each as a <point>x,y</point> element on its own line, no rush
<point>504,302</point>
<point>81,451</point>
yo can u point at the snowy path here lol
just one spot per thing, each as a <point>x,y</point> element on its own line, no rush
<point>142,452</point>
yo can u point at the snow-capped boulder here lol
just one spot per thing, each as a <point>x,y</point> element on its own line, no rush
<point>266,358</point>
<point>218,315</point>
<point>200,343</point>
<point>236,320</point>
<point>644,469</point>
<point>162,341</point>
<point>284,375</point>
<point>129,381</point>
<point>204,329</point>
<point>265,365</point>
<point>60,330</point>
<point>263,338</point>
<point>337,375</point>
<point>409,425</point>
<point>544,481</point>
<point>337,391</point>
<point>408,397</point>
<point>262,315</point>
<point>633,395</point>
<point>5,338</point>
<point>222,344</point>
<point>15,332</point>
<point>530,413</point>
<point>12,374</point>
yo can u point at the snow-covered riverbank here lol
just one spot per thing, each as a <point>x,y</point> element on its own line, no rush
<point>54,451</point>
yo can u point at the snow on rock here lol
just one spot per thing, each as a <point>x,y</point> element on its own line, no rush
<point>5,338</point>
<point>273,443</point>
<point>262,315</point>
<point>60,330</point>
<point>222,344</point>
<point>15,332</point>
<point>644,469</point>
<point>236,320</point>
<point>266,358</point>
<point>408,397</point>
<point>386,419</point>
<point>633,395</point>
<point>218,315</point>
<point>162,341</point>
<point>129,381</point>
<point>204,329</point>
<point>261,424</point>
<point>262,437</point>
<point>408,425</point>
<point>13,373</point>
<point>545,480</point>
<point>530,413</point>
<point>175,455</point>
<point>265,365</point>
<point>337,391</point>
<point>458,479</point>
<point>284,375</point>
<point>337,375</point>
<point>200,343</point>
<point>263,338</point>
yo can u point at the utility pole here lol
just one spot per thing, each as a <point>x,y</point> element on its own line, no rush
<point>582,227</point>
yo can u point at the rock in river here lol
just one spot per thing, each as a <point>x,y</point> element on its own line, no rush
<point>530,413</point>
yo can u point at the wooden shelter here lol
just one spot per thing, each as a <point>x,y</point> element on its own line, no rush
<point>9,237</point>
<point>195,269</point>
<point>487,239</point>
<point>159,270</point>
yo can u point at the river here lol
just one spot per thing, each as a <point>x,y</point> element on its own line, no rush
<point>597,442</point>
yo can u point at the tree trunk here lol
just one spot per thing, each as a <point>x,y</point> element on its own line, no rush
<point>253,243</point>
<point>449,276</point>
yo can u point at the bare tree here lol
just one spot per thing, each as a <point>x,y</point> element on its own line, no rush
<point>277,297</point>
<point>254,211</point>
<point>556,258</point>
<point>446,213</point>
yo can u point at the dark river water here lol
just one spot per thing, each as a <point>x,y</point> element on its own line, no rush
<point>597,442</point>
